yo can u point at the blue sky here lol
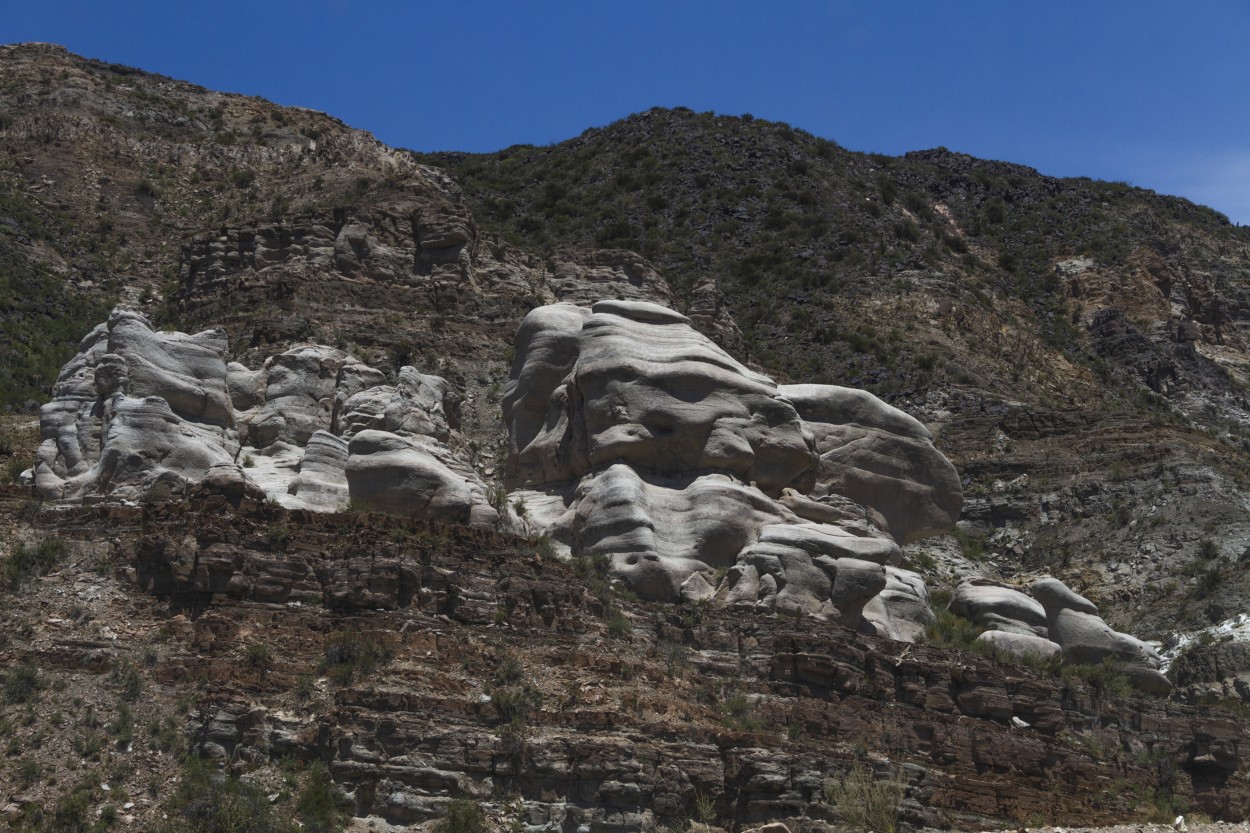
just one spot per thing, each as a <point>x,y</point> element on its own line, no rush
<point>1153,93</point>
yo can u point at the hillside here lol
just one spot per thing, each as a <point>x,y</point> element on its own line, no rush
<point>1080,345</point>
<point>1080,351</point>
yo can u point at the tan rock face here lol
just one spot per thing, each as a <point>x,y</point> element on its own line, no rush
<point>658,449</point>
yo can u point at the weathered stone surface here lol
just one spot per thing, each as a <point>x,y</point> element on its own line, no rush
<point>133,409</point>
<point>321,484</point>
<point>299,396</point>
<point>139,412</point>
<point>673,459</point>
<point>901,610</point>
<point>1020,644</point>
<point>880,457</point>
<point>658,530</point>
<point>1074,623</point>
<point>998,608</point>
<point>405,476</point>
<point>416,405</point>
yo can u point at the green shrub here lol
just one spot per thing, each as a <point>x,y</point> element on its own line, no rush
<point>949,630</point>
<point>1106,678</point>
<point>27,561</point>
<point>322,804</point>
<point>350,655</point>
<point>618,626</point>
<point>259,658</point>
<point>126,676</point>
<point>463,816</point>
<point>208,801</point>
<point>863,802</point>
<point>22,684</point>
<point>738,711</point>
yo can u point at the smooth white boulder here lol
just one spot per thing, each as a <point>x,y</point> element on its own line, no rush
<point>1073,621</point>
<point>321,483</point>
<point>405,476</point>
<point>901,610</point>
<point>1020,645</point>
<point>998,608</point>
<point>880,457</point>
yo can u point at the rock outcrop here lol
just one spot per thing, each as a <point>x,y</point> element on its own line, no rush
<point>1073,621</point>
<point>139,414</point>
<point>635,437</point>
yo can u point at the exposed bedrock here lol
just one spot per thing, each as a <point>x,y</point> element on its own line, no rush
<point>140,413</point>
<point>635,437</point>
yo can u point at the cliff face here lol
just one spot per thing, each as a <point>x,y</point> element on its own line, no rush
<point>422,663</point>
<point>1076,348</point>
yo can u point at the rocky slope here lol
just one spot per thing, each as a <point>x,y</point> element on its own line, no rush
<point>1076,348</point>
<point>422,663</point>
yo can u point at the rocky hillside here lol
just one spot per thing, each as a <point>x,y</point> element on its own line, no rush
<point>1077,349</point>
<point>1079,345</point>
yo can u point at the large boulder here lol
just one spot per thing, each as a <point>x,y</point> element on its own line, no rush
<point>1021,645</point>
<point>901,610</point>
<point>998,608</point>
<point>880,457</point>
<point>405,476</point>
<point>1073,622</point>
<point>298,395</point>
<point>417,405</point>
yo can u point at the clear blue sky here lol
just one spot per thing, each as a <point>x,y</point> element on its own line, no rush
<point>1154,93</point>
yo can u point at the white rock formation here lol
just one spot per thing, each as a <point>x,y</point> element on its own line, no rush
<point>133,409</point>
<point>1073,622</point>
<point>998,608</point>
<point>139,412</point>
<point>635,437</point>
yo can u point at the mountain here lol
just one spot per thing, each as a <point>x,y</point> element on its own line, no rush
<point>1077,348</point>
<point>1079,345</point>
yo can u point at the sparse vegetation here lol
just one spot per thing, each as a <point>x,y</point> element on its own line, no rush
<point>208,801</point>
<point>351,655</point>
<point>22,683</point>
<point>27,561</point>
<point>463,816</point>
<point>865,802</point>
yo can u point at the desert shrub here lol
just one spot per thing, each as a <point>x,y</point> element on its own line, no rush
<point>463,816</point>
<point>22,684</point>
<point>208,801</point>
<point>128,678</point>
<point>322,804</point>
<point>259,658</point>
<point>949,630</point>
<point>618,626</point>
<point>1208,582</point>
<point>27,561</point>
<point>1106,678</point>
<point>864,802</point>
<point>1207,549</point>
<point>350,655</point>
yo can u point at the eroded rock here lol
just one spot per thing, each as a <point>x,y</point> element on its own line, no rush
<point>675,460</point>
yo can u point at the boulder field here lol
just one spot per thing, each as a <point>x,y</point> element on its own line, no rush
<point>633,438</point>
